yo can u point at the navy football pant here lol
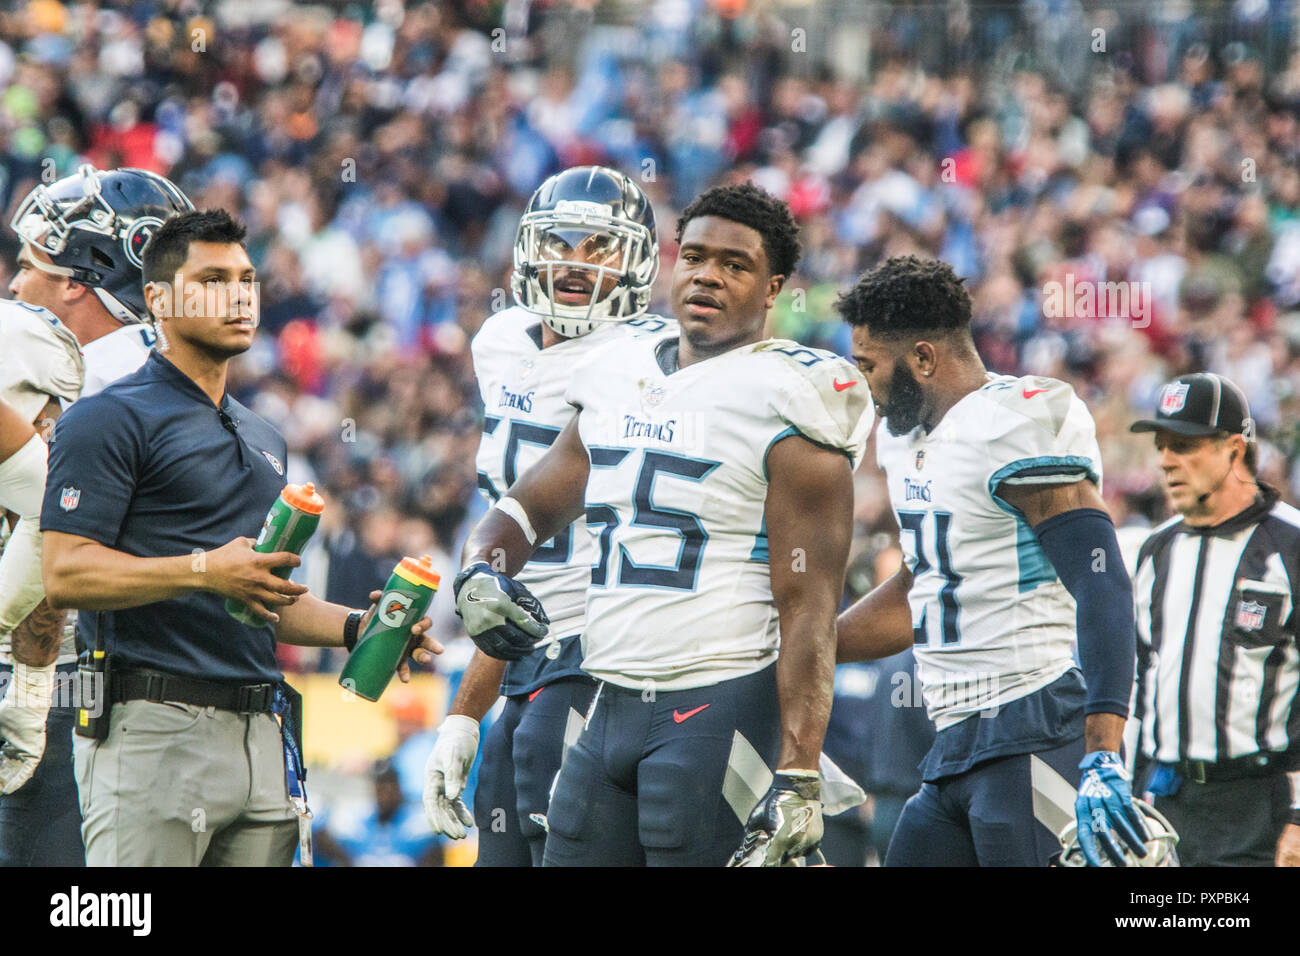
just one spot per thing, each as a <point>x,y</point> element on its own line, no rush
<point>521,756</point>
<point>40,823</point>
<point>987,815</point>
<point>1229,822</point>
<point>666,778</point>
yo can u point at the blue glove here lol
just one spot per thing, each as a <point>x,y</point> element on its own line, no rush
<point>1104,807</point>
<point>502,616</point>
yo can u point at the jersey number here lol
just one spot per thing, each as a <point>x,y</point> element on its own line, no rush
<point>560,548</point>
<point>914,521</point>
<point>798,355</point>
<point>684,574</point>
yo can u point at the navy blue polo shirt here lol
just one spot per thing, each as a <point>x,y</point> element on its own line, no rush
<point>149,466</point>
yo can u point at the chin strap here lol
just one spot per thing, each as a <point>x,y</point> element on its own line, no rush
<point>115,308</point>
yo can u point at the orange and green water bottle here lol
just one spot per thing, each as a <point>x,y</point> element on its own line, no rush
<point>288,525</point>
<point>406,598</point>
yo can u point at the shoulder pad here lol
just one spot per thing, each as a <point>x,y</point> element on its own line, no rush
<point>824,396</point>
<point>500,322</point>
<point>647,325</point>
<point>41,356</point>
<point>1045,401</point>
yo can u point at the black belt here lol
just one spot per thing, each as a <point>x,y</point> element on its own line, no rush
<point>158,687</point>
<point>1239,768</point>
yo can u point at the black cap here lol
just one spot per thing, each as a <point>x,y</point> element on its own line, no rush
<point>1200,404</point>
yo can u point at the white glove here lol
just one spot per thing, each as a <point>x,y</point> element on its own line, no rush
<point>445,773</point>
<point>23,710</point>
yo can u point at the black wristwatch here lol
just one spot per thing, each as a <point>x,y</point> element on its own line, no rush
<point>351,628</point>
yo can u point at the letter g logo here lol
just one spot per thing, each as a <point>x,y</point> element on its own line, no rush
<point>393,606</point>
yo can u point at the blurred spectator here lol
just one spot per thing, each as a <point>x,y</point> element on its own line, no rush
<point>391,833</point>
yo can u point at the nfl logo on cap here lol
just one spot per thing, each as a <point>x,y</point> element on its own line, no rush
<point>70,498</point>
<point>1173,397</point>
<point>1250,615</point>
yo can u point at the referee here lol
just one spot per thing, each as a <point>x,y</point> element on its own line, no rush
<point>1216,589</point>
<point>155,488</point>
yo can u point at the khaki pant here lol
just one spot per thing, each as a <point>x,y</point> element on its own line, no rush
<point>181,785</point>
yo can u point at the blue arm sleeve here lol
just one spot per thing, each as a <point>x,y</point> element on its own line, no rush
<point>1082,547</point>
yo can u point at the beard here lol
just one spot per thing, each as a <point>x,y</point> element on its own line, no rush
<point>903,404</point>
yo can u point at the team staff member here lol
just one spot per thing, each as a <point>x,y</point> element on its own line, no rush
<point>80,259</point>
<point>159,482</point>
<point>1216,588</point>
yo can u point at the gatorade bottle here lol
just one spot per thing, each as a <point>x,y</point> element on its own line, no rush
<point>288,525</point>
<point>406,598</point>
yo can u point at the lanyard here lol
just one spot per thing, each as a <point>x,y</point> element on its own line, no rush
<point>295,771</point>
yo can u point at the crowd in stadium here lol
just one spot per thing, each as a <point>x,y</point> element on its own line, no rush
<point>381,159</point>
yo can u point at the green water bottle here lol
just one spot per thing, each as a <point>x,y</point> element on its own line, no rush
<point>406,598</point>
<point>288,525</point>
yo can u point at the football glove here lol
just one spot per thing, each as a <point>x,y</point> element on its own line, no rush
<point>23,710</point>
<point>445,773</point>
<point>786,824</point>
<point>1104,807</point>
<point>502,617</point>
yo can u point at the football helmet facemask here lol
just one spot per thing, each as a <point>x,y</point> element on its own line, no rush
<point>94,226</point>
<point>587,233</point>
<point>1160,845</point>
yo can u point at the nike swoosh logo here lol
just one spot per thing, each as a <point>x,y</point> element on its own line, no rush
<point>474,600</point>
<point>841,386</point>
<point>1030,393</point>
<point>679,716</point>
<point>802,818</point>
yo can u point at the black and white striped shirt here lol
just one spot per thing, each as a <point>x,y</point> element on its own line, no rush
<point>1218,667</point>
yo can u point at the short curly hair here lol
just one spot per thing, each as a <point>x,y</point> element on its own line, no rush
<point>759,210</point>
<point>907,296</point>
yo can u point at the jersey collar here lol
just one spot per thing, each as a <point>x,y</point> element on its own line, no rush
<point>164,370</point>
<point>1256,512</point>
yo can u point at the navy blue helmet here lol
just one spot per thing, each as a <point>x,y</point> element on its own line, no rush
<point>586,250</point>
<point>94,225</point>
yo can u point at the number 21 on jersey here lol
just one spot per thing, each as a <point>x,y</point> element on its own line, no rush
<point>949,608</point>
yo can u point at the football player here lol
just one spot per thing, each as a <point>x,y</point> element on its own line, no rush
<point>586,255</point>
<point>1009,554</point>
<point>718,468</point>
<point>82,238</point>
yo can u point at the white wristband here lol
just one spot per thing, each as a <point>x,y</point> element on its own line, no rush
<point>512,508</point>
<point>1294,779</point>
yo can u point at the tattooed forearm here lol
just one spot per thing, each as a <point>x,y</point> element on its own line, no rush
<point>36,640</point>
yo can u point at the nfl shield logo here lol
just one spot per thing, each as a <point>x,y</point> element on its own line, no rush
<point>70,498</point>
<point>1173,397</point>
<point>525,368</point>
<point>275,463</point>
<point>1250,615</point>
<point>920,459</point>
<point>655,396</point>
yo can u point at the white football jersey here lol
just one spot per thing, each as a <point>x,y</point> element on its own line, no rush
<point>522,386</point>
<point>991,620</point>
<point>681,596</point>
<point>40,358</point>
<point>115,355</point>
<point>104,360</point>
